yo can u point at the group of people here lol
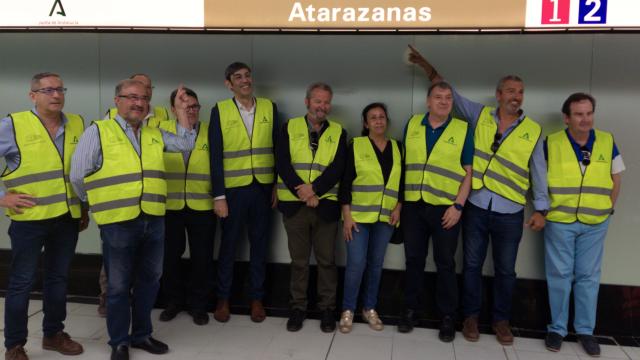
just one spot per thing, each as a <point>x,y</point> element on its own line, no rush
<point>149,181</point>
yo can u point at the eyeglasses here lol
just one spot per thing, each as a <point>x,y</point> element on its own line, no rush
<point>586,155</point>
<point>313,140</point>
<point>194,108</point>
<point>134,98</point>
<point>496,142</point>
<point>49,91</point>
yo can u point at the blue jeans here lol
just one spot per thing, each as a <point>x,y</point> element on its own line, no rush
<point>249,206</point>
<point>573,254</point>
<point>58,236</point>
<point>365,251</point>
<point>505,231</point>
<point>132,252</point>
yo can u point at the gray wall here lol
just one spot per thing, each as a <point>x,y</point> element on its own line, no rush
<point>361,69</point>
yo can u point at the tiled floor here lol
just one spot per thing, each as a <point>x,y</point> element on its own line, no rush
<point>240,339</point>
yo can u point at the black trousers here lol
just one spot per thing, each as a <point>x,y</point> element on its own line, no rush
<point>420,222</point>
<point>199,228</point>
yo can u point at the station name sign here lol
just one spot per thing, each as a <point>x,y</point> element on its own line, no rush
<point>320,14</point>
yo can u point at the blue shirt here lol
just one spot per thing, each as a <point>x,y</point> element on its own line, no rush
<point>487,199</point>
<point>576,146</point>
<point>433,134</point>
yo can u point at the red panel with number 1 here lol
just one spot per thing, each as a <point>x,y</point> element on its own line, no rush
<point>555,11</point>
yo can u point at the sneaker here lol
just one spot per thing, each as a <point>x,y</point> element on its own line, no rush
<point>295,320</point>
<point>62,343</point>
<point>328,321</point>
<point>553,341</point>
<point>16,353</point>
<point>346,321</point>
<point>447,330</point>
<point>503,332</point>
<point>407,321</point>
<point>371,316</point>
<point>590,345</point>
<point>470,329</point>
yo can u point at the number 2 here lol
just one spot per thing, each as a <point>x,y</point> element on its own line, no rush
<point>590,17</point>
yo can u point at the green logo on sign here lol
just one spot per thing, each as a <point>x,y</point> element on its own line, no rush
<point>57,3</point>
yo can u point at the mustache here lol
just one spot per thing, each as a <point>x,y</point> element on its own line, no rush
<point>137,108</point>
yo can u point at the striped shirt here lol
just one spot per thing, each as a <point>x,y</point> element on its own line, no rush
<point>87,158</point>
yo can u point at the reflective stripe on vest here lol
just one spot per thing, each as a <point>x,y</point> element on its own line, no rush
<point>371,199</point>
<point>307,166</point>
<point>160,114</point>
<point>507,171</point>
<point>435,177</point>
<point>43,172</point>
<point>574,196</point>
<point>244,158</point>
<point>127,183</point>
<point>192,183</point>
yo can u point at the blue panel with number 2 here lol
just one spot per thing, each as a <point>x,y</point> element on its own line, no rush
<point>592,12</point>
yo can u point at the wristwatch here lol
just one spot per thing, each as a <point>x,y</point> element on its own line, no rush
<point>458,206</point>
<point>543,212</point>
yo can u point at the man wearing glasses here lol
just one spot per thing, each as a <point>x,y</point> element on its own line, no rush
<point>153,117</point>
<point>44,212</point>
<point>584,178</point>
<point>155,114</point>
<point>311,156</point>
<point>242,136</point>
<point>190,209</point>
<point>508,153</point>
<point>119,169</point>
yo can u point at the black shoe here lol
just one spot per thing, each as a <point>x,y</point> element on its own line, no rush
<point>447,329</point>
<point>120,352</point>
<point>295,320</point>
<point>328,321</point>
<point>200,317</point>
<point>170,312</point>
<point>152,346</point>
<point>553,341</point>
<point>590,345</point>
<point>407,321</point>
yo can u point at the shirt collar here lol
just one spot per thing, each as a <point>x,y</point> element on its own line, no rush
<point>124,124</point>
<point>425,122</point>
<point>590,140</point>
<point>242,108</point>
<point>64,117</point>
<point>521,115</point>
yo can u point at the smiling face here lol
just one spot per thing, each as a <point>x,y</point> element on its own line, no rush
<point>580,120</point>
<point>511,96</point>
<point>318,105</point>
<point>48,96</point>
<point>133,103</point>
<point>440,102</point>
<point>240,83</point>
<point>376,121</point>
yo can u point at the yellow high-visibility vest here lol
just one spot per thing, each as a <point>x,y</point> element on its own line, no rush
<point>574,196</point>
<point>127,183</point>
<point>245,158</point>
<point>43,172</point>
<point>305,164</point>
<point>507,171</point>
<point>371,199</point>
<point>436,177</point>
<point>193,181</point>
<point>160,114</point>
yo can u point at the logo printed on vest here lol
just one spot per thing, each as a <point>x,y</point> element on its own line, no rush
<point>601,158</point>
<point>154,141</point>
<point>298,137</point>
<point>330,140</point>
<point>414,134</point>
<point>525,136</point>
<point>264,120</point>
<point>204,147</point>
<point>74,140</point>
<point>232,124</point>
<point>451,141</point>
<point>33,139</point>
<point>115,139</point>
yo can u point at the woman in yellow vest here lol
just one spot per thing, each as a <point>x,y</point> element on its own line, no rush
<point>369,193</point>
